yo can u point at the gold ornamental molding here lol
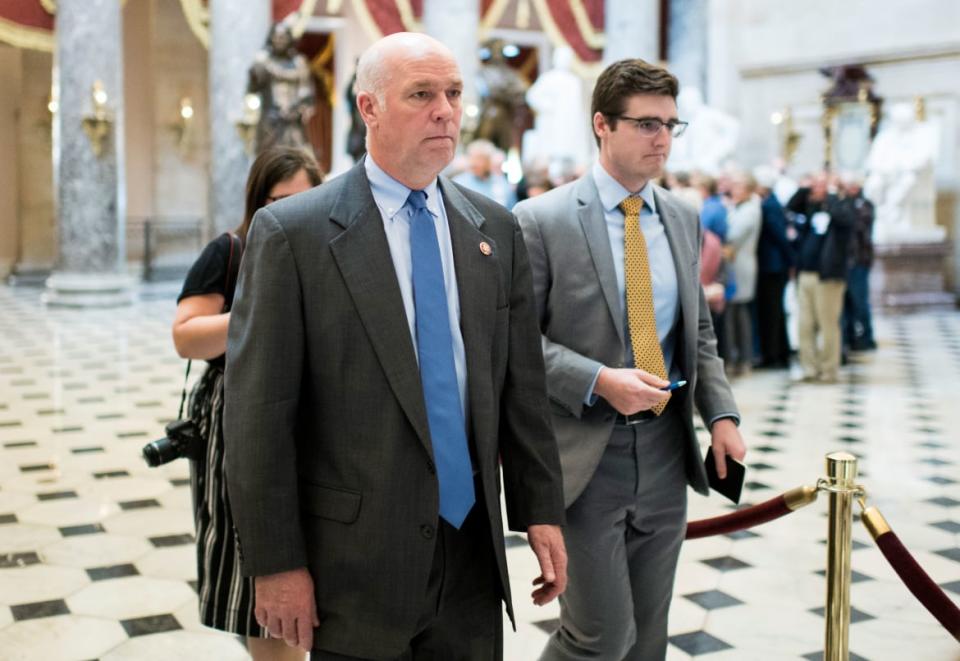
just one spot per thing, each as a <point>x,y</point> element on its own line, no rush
<point>50,6</point>
<point>593,39</point>
<point>585,69</point>
<point>198,18</point>
<point>22,36</point>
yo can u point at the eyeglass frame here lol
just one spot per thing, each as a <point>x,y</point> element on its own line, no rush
<point>671,125</point>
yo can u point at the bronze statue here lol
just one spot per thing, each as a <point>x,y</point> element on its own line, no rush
<point>501,92</point>
<point>281,77</point>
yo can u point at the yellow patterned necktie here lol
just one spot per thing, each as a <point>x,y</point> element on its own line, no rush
<point>647,353</point>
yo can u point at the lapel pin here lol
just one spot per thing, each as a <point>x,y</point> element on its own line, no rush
<point>485,248</point>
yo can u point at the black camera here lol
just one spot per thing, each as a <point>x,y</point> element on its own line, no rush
<point>183,439</point>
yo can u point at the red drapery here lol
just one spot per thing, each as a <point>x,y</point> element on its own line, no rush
<point>27,13</point>
<point>563,17</point>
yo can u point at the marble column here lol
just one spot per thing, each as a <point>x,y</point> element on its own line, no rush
<point>632,29</point>
<point>687,47</point>
<point>237,31</point>
<point>90,267</point>
<point>457,24</point>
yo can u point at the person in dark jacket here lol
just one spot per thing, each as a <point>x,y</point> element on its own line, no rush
<point>857,320</point>
<point>775,260</point>
<point>822,244</point>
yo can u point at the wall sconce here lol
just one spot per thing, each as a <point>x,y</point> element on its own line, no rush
<point>789,138</point>
<point>247,126</point>
<point>183,127</point>
<point>98,123</point>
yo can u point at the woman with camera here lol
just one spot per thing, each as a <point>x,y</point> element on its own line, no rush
<point>200,333</point>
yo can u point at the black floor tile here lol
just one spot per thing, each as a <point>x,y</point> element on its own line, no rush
<point>142,626</point>
<point>8,518</point>
<point>698,642</point>
<point>22,559</point>
<point>87,450</point>
<point>725,563</point>
<point>741,534</point>
<point>513,541</point>
<point>20,444</point>
<point>33,468</point>
<point>113,571</point>
<point>109,474</point>
<point>712,599</point>
<point>171,540</point>
<point>39,609</point>
<point>86,529</point>
<point>948,526</point>
<point>950,554</point>
<point>943,501</point>
<point>139,504</point>
<point>855,614</point>
<point>56,495</point>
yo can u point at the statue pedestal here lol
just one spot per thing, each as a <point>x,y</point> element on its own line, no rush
<point>910,275</point>
<point>84,290</point>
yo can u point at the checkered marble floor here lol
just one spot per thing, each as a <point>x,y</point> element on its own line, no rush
<point>96,555</point>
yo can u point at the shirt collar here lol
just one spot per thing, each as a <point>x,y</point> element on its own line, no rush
<point>612,191</point>
<point>390,195</point>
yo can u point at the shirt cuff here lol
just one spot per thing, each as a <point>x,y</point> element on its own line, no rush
<point>590,399</point>
<point>721,416</point>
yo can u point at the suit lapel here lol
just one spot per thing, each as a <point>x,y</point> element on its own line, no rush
<point>688,285</point>
<point>363,257</point>
<point>477,283</point>
<point>590,212</point>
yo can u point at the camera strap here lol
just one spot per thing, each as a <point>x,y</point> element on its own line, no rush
<point>183,396</point>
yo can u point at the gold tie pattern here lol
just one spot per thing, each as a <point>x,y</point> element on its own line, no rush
<point>647,353</point>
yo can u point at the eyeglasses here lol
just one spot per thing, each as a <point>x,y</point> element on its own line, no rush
<point>649,127</point>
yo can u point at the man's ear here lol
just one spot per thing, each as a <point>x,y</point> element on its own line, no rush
<point>369,108</point>
<point>599,123</point>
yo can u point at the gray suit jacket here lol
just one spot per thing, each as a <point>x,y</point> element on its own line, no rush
<point>581,321</point>
<point>329,462</point>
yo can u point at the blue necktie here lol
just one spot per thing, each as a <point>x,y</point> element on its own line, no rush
<point>438,376</point>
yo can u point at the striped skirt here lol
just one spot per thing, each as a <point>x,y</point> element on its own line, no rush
<point>226,597</point>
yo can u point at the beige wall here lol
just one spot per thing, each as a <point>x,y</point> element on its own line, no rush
<point>179,64</point>
<point>36,191</point>
<point>10,72</point>
<point>138,107</point>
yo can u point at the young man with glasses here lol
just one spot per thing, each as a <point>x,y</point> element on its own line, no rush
<point>615,263</point>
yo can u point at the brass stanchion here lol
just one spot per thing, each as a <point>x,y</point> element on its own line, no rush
<point>841,484</point>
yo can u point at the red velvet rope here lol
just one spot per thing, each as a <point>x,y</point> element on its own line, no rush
<point>739,520</point>
<point>919,583</point>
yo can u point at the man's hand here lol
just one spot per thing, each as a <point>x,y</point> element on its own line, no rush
<point>547,543</point>
<point>725,439</point>
<point>630,391</point>
<point>284,604</point>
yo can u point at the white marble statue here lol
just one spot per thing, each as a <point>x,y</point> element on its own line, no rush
<point>900,180</point>
<point>561,123</point>
<point>709,142</point>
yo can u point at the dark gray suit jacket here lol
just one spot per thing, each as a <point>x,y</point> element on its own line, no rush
<point>581,318</point>
<point>328,455</point>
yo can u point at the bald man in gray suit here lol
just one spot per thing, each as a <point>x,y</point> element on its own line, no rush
<point>627,447</point>
<point>383,381</point>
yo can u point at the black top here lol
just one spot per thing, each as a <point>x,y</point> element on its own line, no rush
<point>208,275</point>
<point>826,254</point>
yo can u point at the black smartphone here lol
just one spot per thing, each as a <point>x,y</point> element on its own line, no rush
<point>732,485</point>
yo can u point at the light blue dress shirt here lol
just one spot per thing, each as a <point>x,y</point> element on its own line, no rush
<point>666,294</point>
<point>391,198</point>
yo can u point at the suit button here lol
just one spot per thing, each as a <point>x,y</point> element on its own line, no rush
<point>427,531</point>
